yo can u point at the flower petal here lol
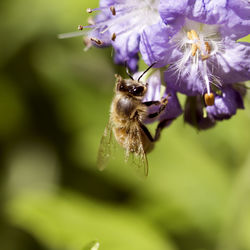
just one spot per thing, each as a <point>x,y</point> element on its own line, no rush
<point>226,105</point>
<point>155,46</point>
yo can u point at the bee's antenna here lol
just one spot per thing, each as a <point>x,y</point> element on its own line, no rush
<point>146,71</point>
<point>127,71</point>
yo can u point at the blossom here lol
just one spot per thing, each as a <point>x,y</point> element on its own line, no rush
<point>193,46</point>
<point>120,23</point>
<point>198,40</point>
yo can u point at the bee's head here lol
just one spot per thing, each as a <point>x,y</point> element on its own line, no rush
<point>130,87</point>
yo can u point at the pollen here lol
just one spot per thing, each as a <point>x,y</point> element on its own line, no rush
<point>113,37</point>
<point>189,35</point>
<point>113,11</point>
<point>194,35</point>
<point>209,99</point>
<point>80,27</point>
<point>97,41</point>
<point>194,49</point>
<point>89,10</point>
<point>207,50</point>
<point>197,45</point>
<point>207,47</point>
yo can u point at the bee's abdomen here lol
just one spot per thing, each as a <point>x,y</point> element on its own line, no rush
<point>124,138</point>
<point>134,141</point>
<point>121,135</point>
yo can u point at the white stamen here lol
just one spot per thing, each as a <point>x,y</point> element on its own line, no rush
<point>206,77</point>
<point>198,42</point>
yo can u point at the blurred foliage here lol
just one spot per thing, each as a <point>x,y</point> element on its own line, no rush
<point>54,104</point>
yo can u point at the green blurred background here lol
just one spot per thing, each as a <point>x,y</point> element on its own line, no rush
<point>54,104</point>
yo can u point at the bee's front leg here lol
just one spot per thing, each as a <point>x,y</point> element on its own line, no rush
<point>159,128</point>
<point>163,103</point>
<point>150,103</point>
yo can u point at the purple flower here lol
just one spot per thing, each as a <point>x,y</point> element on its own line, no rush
<point>198,39</point>
<point>226,103</point>
<point>120,23</point>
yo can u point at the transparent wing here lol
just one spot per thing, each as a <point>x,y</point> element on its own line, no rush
<point>105,148</point>
<point>140,161</point>
<point>138,158</point>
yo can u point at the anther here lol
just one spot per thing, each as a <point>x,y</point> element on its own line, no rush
<point>113,11</point>
<point>208,51</point>
<point>89,10</point>
<point>189,35</point>
<point>113,37</point>
<point>194,34</point>
<point>207,47</point>
<point>204,112</point>
<point>97,41</point>
<point>209,99</point>
<point>218,92</point>
<point>80,27</point>
<point>194,49</point>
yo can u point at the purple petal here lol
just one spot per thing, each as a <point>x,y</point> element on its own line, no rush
<point>155,45</point>
<point>226,105</point>
<point>241,8</point>
<point>234,63</point>
<point>233,16</point>
<point>209,12</point>
<point>173,12</point>
<point>237,24</point>
<point>173,108</point>
<point>188,81</point>
<point>126,50</point>
<point>154,87</point>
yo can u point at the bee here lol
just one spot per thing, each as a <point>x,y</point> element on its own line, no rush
<point>126,122</point>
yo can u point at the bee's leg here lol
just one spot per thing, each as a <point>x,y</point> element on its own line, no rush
<point>150,103</point>
<point>146,132</point>
<point>159,128</point>
<point>163,103</point>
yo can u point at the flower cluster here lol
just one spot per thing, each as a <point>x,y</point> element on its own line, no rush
<point>193,45</point>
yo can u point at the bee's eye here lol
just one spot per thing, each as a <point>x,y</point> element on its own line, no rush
<point>138,90</point>
<point>121,87</point>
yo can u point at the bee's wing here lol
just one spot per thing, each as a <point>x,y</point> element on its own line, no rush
<point>138,159</point>
<point>105,148</point>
